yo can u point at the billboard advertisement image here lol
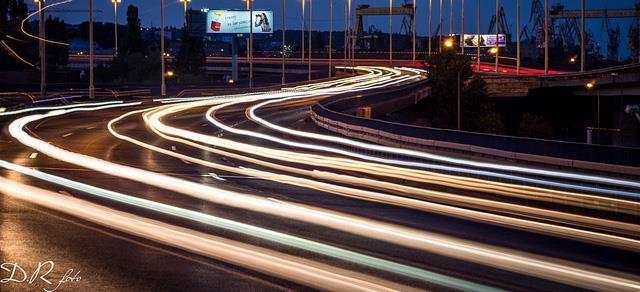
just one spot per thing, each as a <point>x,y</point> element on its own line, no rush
<point>239,21</point>
<point>486,40</point>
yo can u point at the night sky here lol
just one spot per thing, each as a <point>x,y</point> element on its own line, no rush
<point>150,13</point>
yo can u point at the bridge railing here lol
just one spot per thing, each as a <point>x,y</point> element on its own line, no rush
<point>337,114</point>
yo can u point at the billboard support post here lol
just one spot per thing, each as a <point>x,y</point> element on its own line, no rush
<point>235,43</point>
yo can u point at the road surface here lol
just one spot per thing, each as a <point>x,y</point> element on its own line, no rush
<point>243,192</point>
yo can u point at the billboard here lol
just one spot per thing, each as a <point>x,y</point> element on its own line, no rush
<point>486,40</point>
<point>239,21</point>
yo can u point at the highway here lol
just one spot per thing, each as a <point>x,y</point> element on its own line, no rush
<point>244,192</point>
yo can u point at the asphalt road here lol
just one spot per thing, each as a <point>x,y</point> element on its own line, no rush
<point>109,259</point>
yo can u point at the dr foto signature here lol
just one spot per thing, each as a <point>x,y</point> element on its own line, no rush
<point>13,272</point>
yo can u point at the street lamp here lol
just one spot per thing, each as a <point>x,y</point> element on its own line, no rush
<point>43,76</point>
<point>493,51</point>
<point>115,24</point>
<point>572,60</point>
<point>448,43</point>
<point>590,86</point>
<point>184,2</point>
<point>163,86</point>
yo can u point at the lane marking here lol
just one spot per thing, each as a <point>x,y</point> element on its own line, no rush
<point>187,162</point>
<point>33,155</point>
<point>67,135</point>
<point>173,148</point>
<point>91,128</point>
<point>213,175</point>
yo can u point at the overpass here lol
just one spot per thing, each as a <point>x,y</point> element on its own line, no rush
<point>509,85</point>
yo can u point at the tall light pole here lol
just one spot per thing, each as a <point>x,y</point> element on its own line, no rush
<point>91,84</point>
<point>163,85</point>
<point>497,34</point>
<point>462,29</point>
<point>478,38</point>
<point>440,33</point>
<point>250,43</point>
<point>430,22</point>
<point>413,20</point>
<point>450,17</point>
<point>390,32</point>
<point>184,2</point>
<point>41,34</point>
<point>546,37</point>
<point>302,37</point>
<point>344,34</point>
<point>310,35</point>
<point>330,36</point>
<point>115,24</point>
<point>284,9</point>
<point>518,37</point>
<point>582,40</point>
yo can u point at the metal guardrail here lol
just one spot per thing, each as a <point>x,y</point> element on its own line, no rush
<point>338,112</point>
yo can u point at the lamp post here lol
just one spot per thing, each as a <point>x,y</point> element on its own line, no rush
<point>184,2</point>
<point>518,41</point>
<point>546,37</point>
<point>440,35</point>
<point>462,29</point>
<point>590,86</point>
<point>450,17</point>
<point>390,31</point>
<point>330,36</point>
<point>163,85</point>
<point>115,24</point>
<point>41,34</point>
<point>413,23</point>
<point>310,36</point>
<point>250,2</point>
<point>497,34</point>
<point>430,14</point>
<point>283,42</point>
<point>478,37</point>
<point>91,84</point>
<point>302,37</point>
<point>582,39</point>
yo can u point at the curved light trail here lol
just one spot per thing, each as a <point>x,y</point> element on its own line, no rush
<point>574,226</point>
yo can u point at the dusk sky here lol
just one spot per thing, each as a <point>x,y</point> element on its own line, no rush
<point>150,13</point>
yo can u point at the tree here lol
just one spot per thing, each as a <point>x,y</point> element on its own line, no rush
<point>57,55</point>
<point>132,42</point>
<point>191,58</point>
<point>477,109</point>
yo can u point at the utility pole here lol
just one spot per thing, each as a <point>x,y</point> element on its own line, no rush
<point>344,34</point>
<point>413,20</point>
<point>462,30</point>
<point>583,55</point>
<point>163,86</point>
<point>250,44</point>
<point>478,37</point>
<point>284,27</point>
<point>497,34</point>
<point>430,15</point>
<point>92,93</point>
<point>302,37</point>
<point>115,25</point>
<point>41,44</point>
<point>440,33</point>
<point>310,36</point>
<point>518,41</point>
<point>330,37</point>
<point>390,32</point>
<point>546,37</point>
<point>450,17</point>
